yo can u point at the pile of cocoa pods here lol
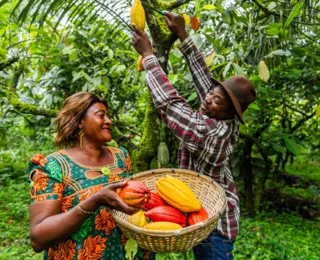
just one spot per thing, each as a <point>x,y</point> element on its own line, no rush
<point>173,206</point>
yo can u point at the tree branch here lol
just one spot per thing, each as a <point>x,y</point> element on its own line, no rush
<point>296,27</point>
<point>169,5</point>
<point>297,125</point>
<point>18,113</point>
<point>296,110</point>
<point>7,63</point>
<point>259,147</point>
<point>31,109</point>
<point>177,3</point>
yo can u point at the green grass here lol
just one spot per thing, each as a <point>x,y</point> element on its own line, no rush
<point>272,237</point>
<point>14,223</point>
<point>267,236</point>
<point>306,169</point>
<point>311,194</point>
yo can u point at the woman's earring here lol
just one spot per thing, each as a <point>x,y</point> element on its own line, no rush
<point>81,134</point>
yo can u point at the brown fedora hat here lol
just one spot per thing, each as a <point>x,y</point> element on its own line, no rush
<point>241,93</point>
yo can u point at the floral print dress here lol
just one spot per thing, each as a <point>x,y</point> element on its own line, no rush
<point>59,177</point>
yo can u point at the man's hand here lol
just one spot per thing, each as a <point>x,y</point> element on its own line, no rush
<point>176,25</point>
<point>141,42</point>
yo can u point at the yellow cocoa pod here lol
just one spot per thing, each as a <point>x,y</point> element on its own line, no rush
<point>139,64</point>
<point>162,225</point>
<point>138,219</point>
<point>137,15</point>
<point>177,194</point>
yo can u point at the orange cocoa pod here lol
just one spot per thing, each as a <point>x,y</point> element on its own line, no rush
<point>162,225</point>
<point>197,216</point>
<point>135,194</point>
<point>167,214</point>
<point>155,201</point>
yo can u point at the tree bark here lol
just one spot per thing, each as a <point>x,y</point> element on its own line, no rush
<point>162,42</point>
<point>248,179</point>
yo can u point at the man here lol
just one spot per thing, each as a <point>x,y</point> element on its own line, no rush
<point>207,136</point>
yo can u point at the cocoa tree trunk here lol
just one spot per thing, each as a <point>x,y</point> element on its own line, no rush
<point>162,41</point>
<point>248,178</point>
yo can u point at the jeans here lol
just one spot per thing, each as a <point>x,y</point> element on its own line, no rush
<point>214,247</point>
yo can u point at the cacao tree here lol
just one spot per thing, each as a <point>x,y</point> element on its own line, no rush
<point>93,41</point>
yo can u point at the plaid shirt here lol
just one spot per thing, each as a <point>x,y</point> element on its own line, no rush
<point>206,143</point>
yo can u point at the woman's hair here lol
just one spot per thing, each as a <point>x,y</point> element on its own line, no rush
<point>68,119</point>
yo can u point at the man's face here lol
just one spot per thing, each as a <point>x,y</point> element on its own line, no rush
<point>217,104</point>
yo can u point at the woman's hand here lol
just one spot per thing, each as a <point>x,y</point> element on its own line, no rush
<point>109,197</point>
<point>141,42</point>
<point>176,25</point>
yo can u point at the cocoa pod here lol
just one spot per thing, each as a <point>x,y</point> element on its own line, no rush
<point>162,225</point>
<point>197,216</point>
<point>168,214</point>
<point>135,193</point>
<point>155,201</point>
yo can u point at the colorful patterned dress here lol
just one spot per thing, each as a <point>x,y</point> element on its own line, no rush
<point>59,177</point>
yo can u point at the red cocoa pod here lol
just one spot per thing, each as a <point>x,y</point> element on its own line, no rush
<point>154,201</point>
<point>135,193</point>
<point>197,216</point>
<point>167,214</point>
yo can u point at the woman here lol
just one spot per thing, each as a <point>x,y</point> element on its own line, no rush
<point>71,188</point>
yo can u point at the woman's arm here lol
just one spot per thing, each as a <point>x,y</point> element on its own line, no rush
<point>48,226</point>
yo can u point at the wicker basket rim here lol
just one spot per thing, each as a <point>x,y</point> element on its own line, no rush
<point>174,170</point>
<point>183,230</point>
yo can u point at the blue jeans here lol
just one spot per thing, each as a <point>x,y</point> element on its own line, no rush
<point>214,247</point>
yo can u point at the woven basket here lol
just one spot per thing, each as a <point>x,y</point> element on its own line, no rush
<point>211,196</point>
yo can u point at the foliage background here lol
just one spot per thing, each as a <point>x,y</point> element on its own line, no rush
<point>86,47</point>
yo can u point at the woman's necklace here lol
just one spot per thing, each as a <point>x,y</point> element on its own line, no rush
<point>104,169</point>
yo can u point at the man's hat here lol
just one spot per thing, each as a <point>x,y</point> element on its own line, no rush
<point>241,93</point>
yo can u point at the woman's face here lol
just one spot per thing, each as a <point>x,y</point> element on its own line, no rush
<point>96,124</point>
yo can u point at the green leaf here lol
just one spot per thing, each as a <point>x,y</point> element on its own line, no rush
<point>271,6</point>
<point>173,78</point>
<point>76,75</point>
<point>279,53</point>
<point>292,145</point>
<point>120,68</point>
<point>210,57</point>
<point>278,147</point>
<point>295,11</point>
<point>237,69</point>
<point>162,256</point>
<point>254,106</point>
<point>209,7</point>
<point>197,40</point>
<point>274,28</point>
<point>318,111</point>
<point>193,96</point>
<point>131,248</point>
<point>3,52</point>
<point>110,53</point>
<point>226,69</point>
<point>112,143</point>
<point>73,55</point>
<point>236,171</point>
